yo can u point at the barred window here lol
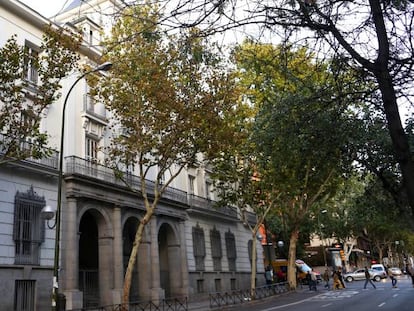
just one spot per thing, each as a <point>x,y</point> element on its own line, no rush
<point>231,250</point>
<point>216,252</point>
<point>199,247</point>
<point>31,59</point>
<point>28,229</point>
<point>91,149</point>
<point>24,295</point>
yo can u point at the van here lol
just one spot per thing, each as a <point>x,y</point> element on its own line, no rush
<point>380,269</point>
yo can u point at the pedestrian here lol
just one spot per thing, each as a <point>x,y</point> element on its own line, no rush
<point>341,279</point>
<point>410,271</point>
<point>336,282</point>
<point>392,277</point>
<point>309,279</point>
<point>368,279</point>
<point>313,280</point>
<point>326,278</point>
<point>268,275</point>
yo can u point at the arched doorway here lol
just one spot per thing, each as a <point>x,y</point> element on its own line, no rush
<point>128,237</point>
<point>170,261</point>
<point>89,260</point>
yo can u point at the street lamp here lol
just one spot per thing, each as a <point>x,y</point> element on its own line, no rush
<point>324,211</point>
<point>47,210</point>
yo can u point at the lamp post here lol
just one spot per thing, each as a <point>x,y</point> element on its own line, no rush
<point>324,211</point>
<point>55,291</point>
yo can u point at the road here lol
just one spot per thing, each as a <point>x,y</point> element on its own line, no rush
<point>352,298</point>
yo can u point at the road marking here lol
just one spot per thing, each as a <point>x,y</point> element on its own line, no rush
<point>395,295</point>
<point>326,305</point>
<point>381,304</point>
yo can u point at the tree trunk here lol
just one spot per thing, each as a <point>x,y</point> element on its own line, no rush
<point>291,259</point>
<point>133,258</point>
<point>254,264</point>
<point>385,83</point>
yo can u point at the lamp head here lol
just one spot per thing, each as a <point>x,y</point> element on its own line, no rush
<point>47,212</point>
<point>104,66</point>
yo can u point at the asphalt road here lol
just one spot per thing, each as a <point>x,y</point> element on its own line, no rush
<point>352,298</point>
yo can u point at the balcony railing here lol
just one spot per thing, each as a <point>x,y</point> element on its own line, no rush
<point>75,165</point>
<point>195,201</point>
<point>50,161</point>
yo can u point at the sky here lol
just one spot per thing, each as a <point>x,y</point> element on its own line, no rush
<point>47,8</point>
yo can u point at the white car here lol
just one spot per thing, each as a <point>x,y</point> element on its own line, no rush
<point>359,274</point>
<point>381,269</point>
<point>396,271</point>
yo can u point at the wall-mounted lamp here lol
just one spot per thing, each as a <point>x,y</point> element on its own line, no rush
<point>48,213</point>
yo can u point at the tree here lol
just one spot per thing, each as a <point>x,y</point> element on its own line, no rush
<point>301,163</point>
<point>238,182</point>
<point>20,114</point>
<point>375,37</point>
<point>170,97</point>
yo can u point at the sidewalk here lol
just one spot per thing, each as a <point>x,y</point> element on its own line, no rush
<point>204,303</point>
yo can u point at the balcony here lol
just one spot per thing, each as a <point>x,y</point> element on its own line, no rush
<point>204,205</point>
<point>94,109</point>
<point>46,163</point>
<point>82,167</point>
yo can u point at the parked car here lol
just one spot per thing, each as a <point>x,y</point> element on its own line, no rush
<point>359,274</point>
<point>396,271</point>
<point>380,268</point>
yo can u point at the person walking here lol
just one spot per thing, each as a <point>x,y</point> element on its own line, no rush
<point>368,279</point>
<point>326,278</point>
<point>392,277</point>
<point>269,275</point>
<point>410,271</point>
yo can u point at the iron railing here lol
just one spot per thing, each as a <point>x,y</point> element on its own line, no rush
<point>50,161</point>
<point>242,296</point>
<point>172,304</point>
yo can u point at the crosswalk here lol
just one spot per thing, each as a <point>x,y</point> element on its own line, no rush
<point>335,295</point>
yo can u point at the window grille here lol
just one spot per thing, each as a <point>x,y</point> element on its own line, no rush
<point>31,62</point>
<point>191,184</point>
<point>29,228</point>
<point>231,250</point>
<point>91,149</point>
<point>199,247</point>
<point>24,295</point>
<point>216,252</point>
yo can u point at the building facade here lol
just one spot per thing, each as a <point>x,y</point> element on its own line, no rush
<point>189,248</point>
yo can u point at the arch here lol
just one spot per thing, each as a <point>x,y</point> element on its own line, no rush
<point>95,255</point>
<point>171,277</point>
<point>141,276</point>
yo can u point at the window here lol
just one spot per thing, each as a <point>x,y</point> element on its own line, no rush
<point>191,184</point>
<point>24,295</point>
<point>199,247</point>
<point>91,149</point>
<point>31,58</point>
<point>216,253</point>
<point>28,230</point>
<point>231,250</point>
<point>208,191</point>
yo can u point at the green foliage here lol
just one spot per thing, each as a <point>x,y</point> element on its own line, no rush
<point>22,103</point>
<point>169,92</point>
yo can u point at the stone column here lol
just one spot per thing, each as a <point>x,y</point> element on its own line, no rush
<point>156,292</point>
<point>183,262</point>
<point>69,255</point>
<point>118,273</point>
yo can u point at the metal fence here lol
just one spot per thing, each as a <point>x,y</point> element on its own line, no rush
<point>243,296</point>
<point>173,304</point>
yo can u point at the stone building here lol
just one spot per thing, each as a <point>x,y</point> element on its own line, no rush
<point>189,248</point>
